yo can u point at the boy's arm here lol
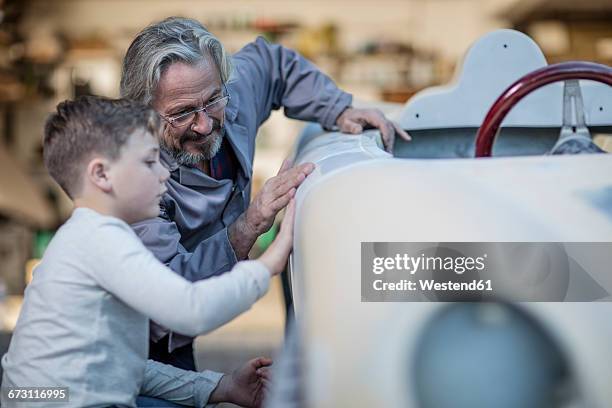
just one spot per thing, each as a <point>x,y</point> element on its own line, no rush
<point>211,257</point>
<point>220,252</point>
<point>124,267</point>
<point>179,386</point>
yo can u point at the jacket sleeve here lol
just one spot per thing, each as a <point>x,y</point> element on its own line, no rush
<point>280,77</point>
<point>211,257</point>
<point>179,386</point>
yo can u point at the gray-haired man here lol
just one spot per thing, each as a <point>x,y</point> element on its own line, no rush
<point>213,105</point>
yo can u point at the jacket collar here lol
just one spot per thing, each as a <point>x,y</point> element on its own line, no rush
<point>167,159</point>
<point>231,110</point>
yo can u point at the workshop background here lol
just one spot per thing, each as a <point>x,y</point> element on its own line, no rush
<point>382,51</point>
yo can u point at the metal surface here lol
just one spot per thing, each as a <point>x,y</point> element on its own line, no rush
<point>489,67</point>
<point>368,346</point>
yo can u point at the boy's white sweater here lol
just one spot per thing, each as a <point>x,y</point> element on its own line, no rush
<point>85,318</point>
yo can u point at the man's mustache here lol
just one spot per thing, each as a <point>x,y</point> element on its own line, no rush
<point>190,135</point>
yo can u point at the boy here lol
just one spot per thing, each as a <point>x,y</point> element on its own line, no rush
<point>85,319</point>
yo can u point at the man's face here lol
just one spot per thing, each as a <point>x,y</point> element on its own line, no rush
<point>182,88</point>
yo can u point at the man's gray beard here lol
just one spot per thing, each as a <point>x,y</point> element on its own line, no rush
<point>185,158</point>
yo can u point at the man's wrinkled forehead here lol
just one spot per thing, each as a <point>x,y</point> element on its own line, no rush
<point>183,83</point>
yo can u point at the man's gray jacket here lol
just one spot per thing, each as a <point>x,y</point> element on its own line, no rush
<point>190,235</point>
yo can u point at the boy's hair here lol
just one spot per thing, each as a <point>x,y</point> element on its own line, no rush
<point>91,125</point>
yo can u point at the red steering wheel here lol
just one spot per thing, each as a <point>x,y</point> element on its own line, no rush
<point>528,83</point>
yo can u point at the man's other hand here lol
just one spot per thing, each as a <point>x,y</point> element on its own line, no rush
<point>354,121</point>
<point>247,386</point>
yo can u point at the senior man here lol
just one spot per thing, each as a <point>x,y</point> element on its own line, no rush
<point>213,105</point>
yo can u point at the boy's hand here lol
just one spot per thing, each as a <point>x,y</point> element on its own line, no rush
<point>275,257</point>
<point>246,386</point>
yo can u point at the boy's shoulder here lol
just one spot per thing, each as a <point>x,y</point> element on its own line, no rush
<point>87,223</point>
<point>85,243</point>
<point>87,233</point>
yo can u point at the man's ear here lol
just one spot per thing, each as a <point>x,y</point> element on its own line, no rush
<point>165,132</point>
<point>98,174</point>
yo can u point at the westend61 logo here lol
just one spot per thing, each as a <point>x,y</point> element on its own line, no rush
<point>476,271</point>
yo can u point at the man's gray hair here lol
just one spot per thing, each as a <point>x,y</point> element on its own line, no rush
<point>174,39</point>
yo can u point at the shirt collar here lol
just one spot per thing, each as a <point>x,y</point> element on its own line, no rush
<point>186,175</point>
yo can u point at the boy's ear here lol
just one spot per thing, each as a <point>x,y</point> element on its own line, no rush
<point>98,174</point>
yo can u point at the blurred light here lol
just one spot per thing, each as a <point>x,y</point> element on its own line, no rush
<point>9,312</point>
<point>551,36</point>
<point>603,141</point>
<point>29,269</point>
<point>101,73</point>
<point>42,46</point>
<point>603,48</point>
<point>16,51</point>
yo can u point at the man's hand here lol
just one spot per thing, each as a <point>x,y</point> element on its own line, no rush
<point>355,120</point>
<point>247,386</point>
<point>273,197</point>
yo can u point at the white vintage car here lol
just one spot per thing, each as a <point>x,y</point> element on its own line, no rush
<point>441,188</point>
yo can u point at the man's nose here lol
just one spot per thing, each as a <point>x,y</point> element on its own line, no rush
<point>203,123</point>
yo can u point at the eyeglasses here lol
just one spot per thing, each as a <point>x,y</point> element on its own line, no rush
<point>187,118</point>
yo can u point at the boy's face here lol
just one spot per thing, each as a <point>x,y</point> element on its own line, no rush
<point>138,178</point>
